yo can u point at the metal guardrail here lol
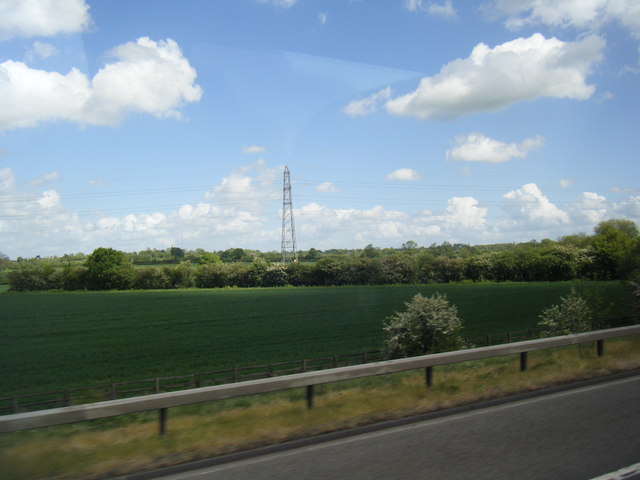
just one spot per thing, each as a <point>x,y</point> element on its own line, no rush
<point>26,402</point>
<point>163,401</point>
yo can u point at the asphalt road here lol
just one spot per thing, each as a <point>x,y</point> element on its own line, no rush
<point>577,434</point>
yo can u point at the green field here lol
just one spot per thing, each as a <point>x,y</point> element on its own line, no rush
<point>58,340</point>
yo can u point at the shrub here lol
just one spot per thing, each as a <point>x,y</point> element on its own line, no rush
<point>572,315</point>
<point>428,325</point>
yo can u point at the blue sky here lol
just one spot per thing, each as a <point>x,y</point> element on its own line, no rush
<point>154,123</point>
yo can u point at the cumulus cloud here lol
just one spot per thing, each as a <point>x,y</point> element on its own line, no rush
<point>369,105</point>
<point>566,182</point>
<point>475,147</point>
<point>247,188</point>
<point>327,187</point>
<point>528,205</point>
<point>21,18</point>
<point>495,78</point>
<point>464,212</point>
<point>589,15</point>
<point>403,174</point>
<point>146,77</point>
<point>590,207</point>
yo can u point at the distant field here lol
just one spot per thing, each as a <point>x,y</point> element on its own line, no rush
<point>58,340</point>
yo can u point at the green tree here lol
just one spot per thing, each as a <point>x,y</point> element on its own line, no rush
<point>615,247</point>
<point>177,252</point>
<point>109,269</point>
<point>571,315</point>
<point>209,258</point>
<point>4,261</point>
<point>428,325</point>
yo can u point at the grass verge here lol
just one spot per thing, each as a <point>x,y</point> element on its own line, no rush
<point>111,447</point>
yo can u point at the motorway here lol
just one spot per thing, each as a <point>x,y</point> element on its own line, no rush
<point>577,434</point>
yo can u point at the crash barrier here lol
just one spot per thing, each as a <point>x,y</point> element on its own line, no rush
<point>164,401</point>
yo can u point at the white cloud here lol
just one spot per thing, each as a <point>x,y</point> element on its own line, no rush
<point>253,149</point>
<point>46,178</point>
<point>494,78</point>
<point>327,187</point>
<point>582,14</point>
<point>147,77</point>
<point>475,147</point>
<point>590,207</point>
<point>247,188</point>
<point>628,208</point>
<point>464,212</point>
<point>566,182</point>
<point>49,199</point>
<point>366,106</point>
<point>403,174</point>
<point>322,18</point>
<point>243,209</point>
<point>444,10</point>
<point>281,3</point>
<point>24,18</point>
<point>528,205</point>
<point>7,180</point>
<point>40,50</point>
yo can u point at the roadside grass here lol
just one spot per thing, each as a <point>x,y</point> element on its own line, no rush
<point>58,340</point>
<point>111,447</point>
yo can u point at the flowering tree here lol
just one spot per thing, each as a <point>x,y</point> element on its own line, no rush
<point>428,325</point>
<point>571,315</point>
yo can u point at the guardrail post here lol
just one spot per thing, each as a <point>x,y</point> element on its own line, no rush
<point>66,401</point>
<point>16,407</point>
<point>196,380</point>
<point>157,385</point>
<point>162,415</point>
<point>600,347</point>
<point>429,376</point>
<point>523,361</point>
<point>304,365</point>
<point>114,392</point>
<point>310,396</point>
<point>509,337</point>
<point>235,374</point>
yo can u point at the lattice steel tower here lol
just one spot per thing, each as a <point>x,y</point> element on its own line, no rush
<point>289,252</point>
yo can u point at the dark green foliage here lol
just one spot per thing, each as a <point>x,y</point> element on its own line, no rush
<point>616,248</point>
<point>150,278</point>
<point>57,340</point>
<point>109,269</point>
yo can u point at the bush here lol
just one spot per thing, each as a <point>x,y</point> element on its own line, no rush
<point>150,278</point>
<point>572,315</point>
<point>428,325</point>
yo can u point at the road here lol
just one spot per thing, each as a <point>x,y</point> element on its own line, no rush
<point>576,434</point>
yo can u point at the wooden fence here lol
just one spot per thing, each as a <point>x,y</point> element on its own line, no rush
<point>148,386</point>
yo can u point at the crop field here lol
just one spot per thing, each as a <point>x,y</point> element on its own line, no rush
<point>61,340</point>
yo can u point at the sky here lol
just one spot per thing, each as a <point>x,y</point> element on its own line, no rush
<point>157,123</point>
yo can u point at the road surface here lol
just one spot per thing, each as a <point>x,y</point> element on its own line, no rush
<point>583,433</point>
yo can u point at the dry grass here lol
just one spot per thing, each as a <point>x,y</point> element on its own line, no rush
<point>116,446</point>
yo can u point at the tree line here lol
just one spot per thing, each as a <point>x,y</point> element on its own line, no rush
<point>612,252</point>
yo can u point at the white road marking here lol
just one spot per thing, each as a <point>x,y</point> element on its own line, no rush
<point>621,474</point>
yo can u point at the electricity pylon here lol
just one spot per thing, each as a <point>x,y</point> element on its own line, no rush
<point>289,252</point>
